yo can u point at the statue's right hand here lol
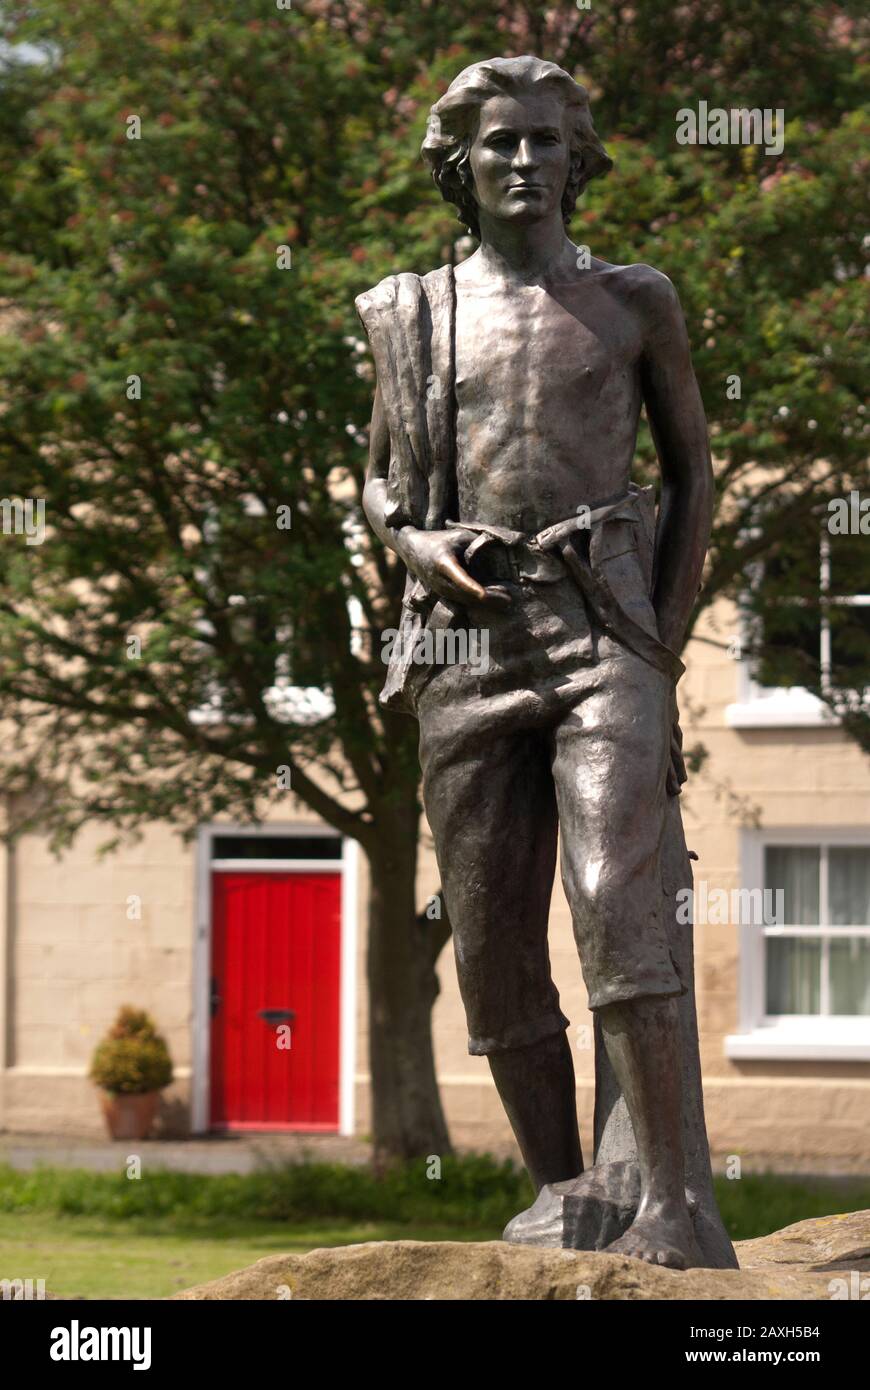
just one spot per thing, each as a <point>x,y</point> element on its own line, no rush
<point>435,558</point>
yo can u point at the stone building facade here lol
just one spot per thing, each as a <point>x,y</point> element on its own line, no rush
<point>781,802</point>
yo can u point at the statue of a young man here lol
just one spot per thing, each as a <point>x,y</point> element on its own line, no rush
<point>504,426</point>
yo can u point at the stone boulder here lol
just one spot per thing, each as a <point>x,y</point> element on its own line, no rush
<point>800,1262</point>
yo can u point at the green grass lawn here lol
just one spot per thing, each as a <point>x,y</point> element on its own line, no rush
<point>90,1257</point>
<point>102,1235</point>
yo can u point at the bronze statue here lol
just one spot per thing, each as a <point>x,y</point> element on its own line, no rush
<point>504,426</point>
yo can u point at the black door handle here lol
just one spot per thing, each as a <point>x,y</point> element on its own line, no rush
<point>275,1016</point>
<point>214,999</point>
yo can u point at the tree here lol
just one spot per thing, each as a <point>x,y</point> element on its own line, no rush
<point>194,200</point>
<point>185,404</point>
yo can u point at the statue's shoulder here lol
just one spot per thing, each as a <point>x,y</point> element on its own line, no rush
<point>404,289</point>
<point>640,282</point>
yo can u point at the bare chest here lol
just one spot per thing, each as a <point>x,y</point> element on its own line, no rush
<point>528,346</point>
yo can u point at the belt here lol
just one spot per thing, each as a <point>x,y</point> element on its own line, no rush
<point>530,556</point>
<point>521,556</point>
<point>520,560</point>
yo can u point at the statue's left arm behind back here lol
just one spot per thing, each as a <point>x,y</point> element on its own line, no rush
<point>679,430</point>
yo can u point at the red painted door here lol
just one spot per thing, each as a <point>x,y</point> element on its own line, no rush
<point>276,954</point>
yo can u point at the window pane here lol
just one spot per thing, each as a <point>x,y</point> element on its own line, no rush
<point>850,648</point>
<point>790,647</point>
<point>787,602</point>
<point>793,975</point>
<point>276,847</point>
<point>850,975</point>
<point>795,870</point>
<point>849,886</point>
<point>848,558</point>
<point>850,626</point>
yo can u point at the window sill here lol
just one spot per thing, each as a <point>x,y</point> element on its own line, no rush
<point>786,709</point>
<point>834,1041</point>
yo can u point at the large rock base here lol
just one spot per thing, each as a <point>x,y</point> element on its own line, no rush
<point>821,1259</point>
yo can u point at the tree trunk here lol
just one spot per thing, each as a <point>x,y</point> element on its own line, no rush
<point>403,948</point>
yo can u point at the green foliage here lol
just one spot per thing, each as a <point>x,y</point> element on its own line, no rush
<point>156,258</point>
<point>760,1203</point>
<point>160,262</point>
<point>133,1058</point>
<point>474,1193</point>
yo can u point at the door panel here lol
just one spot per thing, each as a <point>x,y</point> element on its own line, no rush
<point>276,950</point>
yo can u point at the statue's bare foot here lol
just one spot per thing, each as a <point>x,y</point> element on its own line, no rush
<point>660,1235</point>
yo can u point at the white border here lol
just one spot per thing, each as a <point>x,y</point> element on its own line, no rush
<point>347,867</point>
<point>775,707</point>
<point>800,1038</point>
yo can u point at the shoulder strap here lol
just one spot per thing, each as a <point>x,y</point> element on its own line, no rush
<point>441,395</point>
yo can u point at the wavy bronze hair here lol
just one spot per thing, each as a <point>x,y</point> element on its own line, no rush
<point>453,121</point>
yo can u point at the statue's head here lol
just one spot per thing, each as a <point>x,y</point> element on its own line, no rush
<point>513,136</point>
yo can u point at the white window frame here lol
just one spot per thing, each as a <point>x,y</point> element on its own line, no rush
<point>286,703</point>
<point>801,1037</point>
<point>347,866</point>
<point>793,706</point>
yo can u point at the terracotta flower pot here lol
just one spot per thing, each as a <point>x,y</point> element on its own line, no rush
<point>129,1117</point>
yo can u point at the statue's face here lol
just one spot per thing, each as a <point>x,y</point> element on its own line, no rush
<point>520,156</point>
